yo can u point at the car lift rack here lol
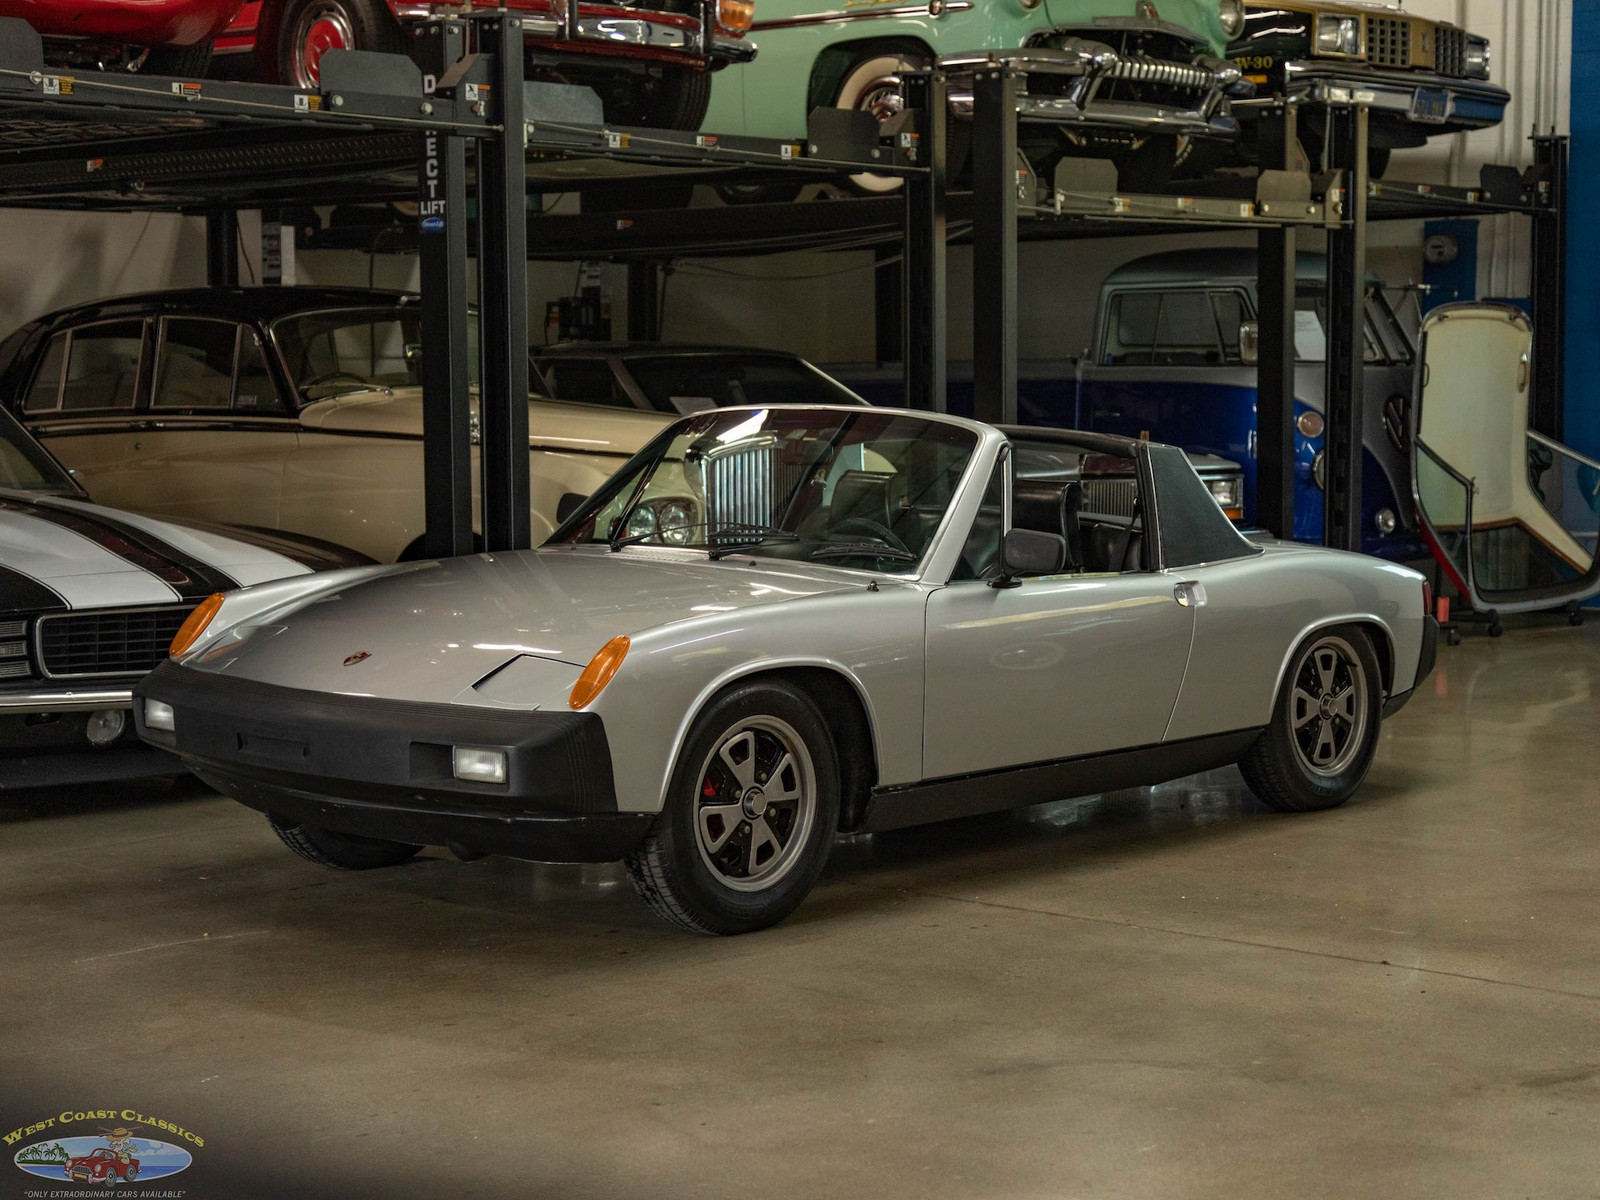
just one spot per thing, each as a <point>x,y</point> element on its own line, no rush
<point>429,131</point>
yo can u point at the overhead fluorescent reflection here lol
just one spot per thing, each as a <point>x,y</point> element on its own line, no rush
<point>744,428</point>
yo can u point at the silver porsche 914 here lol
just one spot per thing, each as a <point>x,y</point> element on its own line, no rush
<point>773,625</point>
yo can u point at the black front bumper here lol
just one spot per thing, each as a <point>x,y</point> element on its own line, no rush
<point>382,768</point>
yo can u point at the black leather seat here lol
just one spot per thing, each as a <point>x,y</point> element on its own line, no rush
<point>862,495</point>
<point>1049,507</point>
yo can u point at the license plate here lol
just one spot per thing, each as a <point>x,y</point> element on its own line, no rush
<point>1429,106</point>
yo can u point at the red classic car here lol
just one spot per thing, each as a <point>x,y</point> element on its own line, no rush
<point>102,1166</point>
<point>650,60</point>
<point>164,37</point>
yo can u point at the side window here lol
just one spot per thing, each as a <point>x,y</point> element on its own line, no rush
<point>253,389</point>
<point>195,365</point>
<point>1131,328</point>
<point>45,394</point>
<point>980,557</point>
<point>1186,333</point>
<point>103,366</point>
<point>1231,314</point>
<point>585,381</point>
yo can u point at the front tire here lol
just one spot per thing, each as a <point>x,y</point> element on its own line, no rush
<point>750,814</point>
<point>308,29</point>
<point>1324,729</point>
<point>345,851</point>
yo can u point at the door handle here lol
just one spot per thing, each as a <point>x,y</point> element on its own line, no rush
<point>1190,594</point>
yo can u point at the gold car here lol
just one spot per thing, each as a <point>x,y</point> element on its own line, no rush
<point>285,408</point>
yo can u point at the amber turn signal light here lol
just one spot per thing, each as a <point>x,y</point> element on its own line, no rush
<point>189,632</point>
<point>598,673</point>
<point>736,15</point>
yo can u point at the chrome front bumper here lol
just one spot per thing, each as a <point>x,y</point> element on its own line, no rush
<point>1090,66</point>
<point>604,30</point>
<point>1423,98</point>
<point>65,700</point>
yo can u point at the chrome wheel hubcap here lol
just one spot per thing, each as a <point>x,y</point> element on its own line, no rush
<point>756,804</point>
<point>321,28</point>
<point>1328,707</point>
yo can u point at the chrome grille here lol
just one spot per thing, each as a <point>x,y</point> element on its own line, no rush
<point>1389,41</point>
<point>14,650</point>
<point>746,486</point>
<point>1450,51</point>
<point>127,641</point>
<point>1152,70</point>
<point>1109,497</point>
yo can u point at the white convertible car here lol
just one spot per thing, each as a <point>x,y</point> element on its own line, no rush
<point>777,624</point>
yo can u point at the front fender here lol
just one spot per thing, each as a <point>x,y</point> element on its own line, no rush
<point>873,640</point>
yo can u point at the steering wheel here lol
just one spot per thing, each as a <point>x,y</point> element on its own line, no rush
<point>332,375</point>
<point>872,529</point>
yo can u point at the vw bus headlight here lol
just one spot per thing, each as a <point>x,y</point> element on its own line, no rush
<point>1339,36</point>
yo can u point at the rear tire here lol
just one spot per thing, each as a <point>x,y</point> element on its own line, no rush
<point>676,99</point>
<point>345,851</point>
<point>1324,730</point>
<point>750,814</point>
<point>873,85</point>
<point>186,62</point>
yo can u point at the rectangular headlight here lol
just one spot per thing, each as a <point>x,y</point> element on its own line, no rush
<point>474,764</point>
<point>159,716</point>
<point>1339,36</point>
<point>1479,57</point>
<point>1228,492</point>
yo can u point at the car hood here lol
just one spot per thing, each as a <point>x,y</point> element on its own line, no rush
<point>1201,18</point>
<point>552,424</point>
<point>427,631</point>
<point>57,553</point>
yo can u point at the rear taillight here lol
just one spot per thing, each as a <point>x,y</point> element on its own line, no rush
<point>1427,597</point>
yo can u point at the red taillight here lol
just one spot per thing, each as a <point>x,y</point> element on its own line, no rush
<point>1427,598</point>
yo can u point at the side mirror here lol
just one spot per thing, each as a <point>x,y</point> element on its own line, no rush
<point>569,503</point>
<point>1030,552</point>
<point>1250,343</point>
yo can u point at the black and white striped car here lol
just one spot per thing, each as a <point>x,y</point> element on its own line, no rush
<point>90,599</point>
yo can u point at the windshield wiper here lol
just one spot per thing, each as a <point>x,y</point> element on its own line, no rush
<point>863,550</point>
<point>730,539</point>
<point>636,539</point>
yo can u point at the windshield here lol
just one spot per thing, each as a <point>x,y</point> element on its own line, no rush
<point>864,489</point>
<point>334,351</point>
<point>25,466</point>
<point>690,383</point>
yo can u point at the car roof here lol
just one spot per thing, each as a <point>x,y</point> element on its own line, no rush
<point>239,304</point>
<point>581,349</point>
<point>1215,264</point>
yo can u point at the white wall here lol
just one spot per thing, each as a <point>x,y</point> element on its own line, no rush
<point>52,259</point>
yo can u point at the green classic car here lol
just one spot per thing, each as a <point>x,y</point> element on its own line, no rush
<point>1136,81</point>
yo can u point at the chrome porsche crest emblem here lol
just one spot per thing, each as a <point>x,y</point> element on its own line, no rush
<point>358,656</point>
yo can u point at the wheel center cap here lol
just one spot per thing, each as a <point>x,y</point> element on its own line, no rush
<point>1325,706</point>
<point>754,802</point>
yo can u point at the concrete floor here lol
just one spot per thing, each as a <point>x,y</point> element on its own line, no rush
<point>1167,994</point>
